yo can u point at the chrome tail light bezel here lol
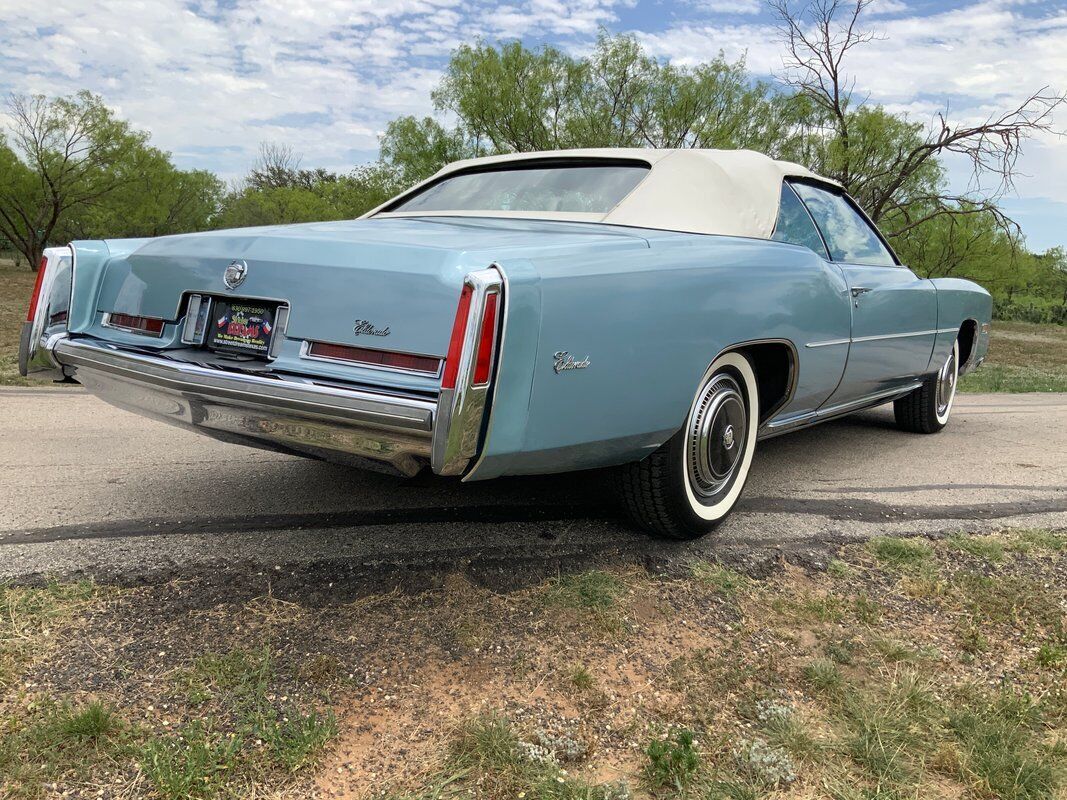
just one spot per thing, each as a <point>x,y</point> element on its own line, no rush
<point>48,315</point>
<point>461,408</point>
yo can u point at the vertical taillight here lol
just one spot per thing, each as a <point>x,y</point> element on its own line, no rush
<point>455,344</point>
<point>483,367</point>
<point>461,423</point>
<point>36,296</point>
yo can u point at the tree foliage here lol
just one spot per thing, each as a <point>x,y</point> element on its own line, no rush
<point>276,196</point>
<point>68,167</point>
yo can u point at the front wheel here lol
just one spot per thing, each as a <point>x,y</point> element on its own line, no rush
<point>689,485</point>
<point>927,409</point>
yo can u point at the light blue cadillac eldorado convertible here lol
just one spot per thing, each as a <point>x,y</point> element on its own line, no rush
<point>656,312</point>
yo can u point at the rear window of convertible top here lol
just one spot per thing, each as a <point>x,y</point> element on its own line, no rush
<point>583,187</point>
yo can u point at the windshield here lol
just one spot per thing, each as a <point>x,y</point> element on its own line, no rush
<point>578,188</point>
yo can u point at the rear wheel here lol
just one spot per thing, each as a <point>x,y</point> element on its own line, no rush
<point>689,485</point>
<point>927,409</point>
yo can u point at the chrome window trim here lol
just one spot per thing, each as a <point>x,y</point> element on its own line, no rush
<point>305,353</point>
<point>107,323</point>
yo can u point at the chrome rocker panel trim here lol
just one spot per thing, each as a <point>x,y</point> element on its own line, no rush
<point>789,424</point>
<point>282,413</point>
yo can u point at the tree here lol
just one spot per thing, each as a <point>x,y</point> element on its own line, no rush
<point>277,191</point>
<point>278,166</point>
<point>513,98</point>
<point>156,199</point>
<point>63,155</point>
<point>416,148</point>
<point>889,164</point>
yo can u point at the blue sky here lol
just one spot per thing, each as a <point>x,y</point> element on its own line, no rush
<point>213,78</point>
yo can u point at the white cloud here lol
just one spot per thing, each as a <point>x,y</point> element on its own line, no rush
<point>732,6</point>
<point>211,79</point>
<point>207,77</point>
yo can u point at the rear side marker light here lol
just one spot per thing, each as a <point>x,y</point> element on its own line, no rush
<point>483,367</point>
<point>375,358</point>
<point>149,326</point>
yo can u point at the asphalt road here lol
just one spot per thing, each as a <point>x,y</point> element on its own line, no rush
<point>86,489</point>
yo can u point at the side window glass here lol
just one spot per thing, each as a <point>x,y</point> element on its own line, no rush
<point>848,235</point>
<point>794,224</point>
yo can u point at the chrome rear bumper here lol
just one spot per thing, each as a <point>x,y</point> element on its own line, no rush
<point>285,413</point>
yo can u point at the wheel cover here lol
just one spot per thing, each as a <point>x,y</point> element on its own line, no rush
<point>716,439</point>
<point>946,384</point>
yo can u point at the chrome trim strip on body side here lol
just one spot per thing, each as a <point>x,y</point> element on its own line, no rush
<point>829,343</point>
<point>776,428</point>
<point>461,411</point>
<point>832,342</point>
<point>354,405</point>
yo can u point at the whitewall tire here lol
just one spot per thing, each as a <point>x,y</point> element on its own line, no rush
<point>689,485</point>
<point>927,409</point>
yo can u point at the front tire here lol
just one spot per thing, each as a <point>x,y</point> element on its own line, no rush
<point>689,485</point>
<point>927,409</point>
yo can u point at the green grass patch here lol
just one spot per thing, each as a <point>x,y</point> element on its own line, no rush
<point>900,553</point>
<point>1037,540</point>
<point>823,676</point>
<point>30,618</point>
<point>720,579</point>
<point>1022,357</point>
<point>242,736</point>
<point>989,548</point>
<point>56,742</point>
<point>672,761</point>
<point>487,758</point>
<point>595,590</point>
<point>580,678</point>
<point>195,762</point>
<point>1052,655</point>
<point>1010,600</point>
<point>1013,379</point>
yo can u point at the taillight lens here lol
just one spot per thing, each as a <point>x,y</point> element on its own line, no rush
<point>36,296</point>
<point>483,367</point>
<point>152,326</point>
<point>455,344</point>
<point>383,358</point>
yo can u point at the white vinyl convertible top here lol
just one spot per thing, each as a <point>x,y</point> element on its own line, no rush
<point>729,192</point>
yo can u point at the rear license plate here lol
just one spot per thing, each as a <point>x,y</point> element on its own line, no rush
<point>241,327</point>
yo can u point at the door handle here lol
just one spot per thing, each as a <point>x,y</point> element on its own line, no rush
<point>858,290</point>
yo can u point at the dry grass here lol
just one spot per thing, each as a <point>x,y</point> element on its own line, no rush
<point>16,286</point>
<point>1023,357</point>
<point>599,685</point>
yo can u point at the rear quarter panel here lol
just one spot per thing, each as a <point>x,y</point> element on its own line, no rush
<point>650,320</point>
<point>957,302</point>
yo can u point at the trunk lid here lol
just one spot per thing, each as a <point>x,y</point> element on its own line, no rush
<point>401,274</point>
